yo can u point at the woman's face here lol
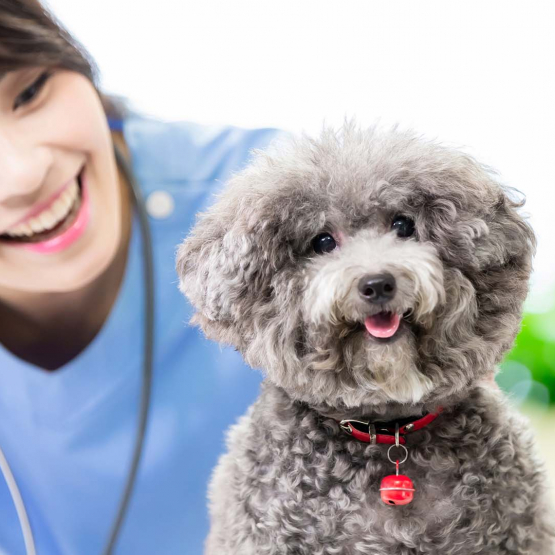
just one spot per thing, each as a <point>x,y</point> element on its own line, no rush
<point>60,213</point>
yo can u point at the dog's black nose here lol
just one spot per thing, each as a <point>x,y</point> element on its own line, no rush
<point>377,289</point>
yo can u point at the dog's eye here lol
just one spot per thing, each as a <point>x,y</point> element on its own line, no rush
<point>403,225</point>
<point>323,243</point>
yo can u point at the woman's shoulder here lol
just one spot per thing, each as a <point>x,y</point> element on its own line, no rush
<point>187,151</point>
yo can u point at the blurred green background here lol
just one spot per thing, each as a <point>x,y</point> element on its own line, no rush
<point>528,376</point>
<point>528,371</point>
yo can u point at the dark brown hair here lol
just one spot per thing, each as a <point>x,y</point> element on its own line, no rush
<point>32,36</point>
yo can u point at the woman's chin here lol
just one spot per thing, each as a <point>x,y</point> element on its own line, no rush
<point>71,271</point>
<point>84,268</point>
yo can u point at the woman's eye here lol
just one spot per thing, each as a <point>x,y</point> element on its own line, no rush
<point>323,243</point>
<point>403,225</point>
<point>33,90</point>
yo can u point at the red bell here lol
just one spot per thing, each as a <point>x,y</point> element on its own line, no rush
<point>397,489</point>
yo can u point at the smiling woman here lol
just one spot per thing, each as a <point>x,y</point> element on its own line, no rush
<point>72,319</point>
<point>63,212</point>
<point>57,217</point>
<point>50,183</point>
<point>58,170</point>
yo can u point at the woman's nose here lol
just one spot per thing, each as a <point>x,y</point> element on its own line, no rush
<point>22,170</point>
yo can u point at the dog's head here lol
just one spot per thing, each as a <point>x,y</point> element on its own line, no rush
<point>361,268</point>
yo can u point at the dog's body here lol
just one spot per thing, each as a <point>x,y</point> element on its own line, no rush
<point>295,483</point>
<point>375,276</point>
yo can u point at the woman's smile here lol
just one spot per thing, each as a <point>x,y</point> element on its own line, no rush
<point>53,225</point>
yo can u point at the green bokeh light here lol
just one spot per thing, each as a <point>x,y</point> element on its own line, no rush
<point>528,371</point>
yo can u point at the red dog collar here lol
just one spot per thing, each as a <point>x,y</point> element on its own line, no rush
<point>380,432</point>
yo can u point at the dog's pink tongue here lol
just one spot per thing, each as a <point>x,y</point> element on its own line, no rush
<point>384,324</point>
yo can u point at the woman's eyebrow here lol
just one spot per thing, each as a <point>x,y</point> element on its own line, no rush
<point>19,74</point>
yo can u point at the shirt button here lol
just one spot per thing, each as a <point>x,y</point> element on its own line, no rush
<point>159,204</point>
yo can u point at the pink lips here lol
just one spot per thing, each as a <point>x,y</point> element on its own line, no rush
<point>71,234</point>
<point>383,325</point>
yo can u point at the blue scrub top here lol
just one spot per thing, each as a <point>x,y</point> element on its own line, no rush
<point>68,435</point>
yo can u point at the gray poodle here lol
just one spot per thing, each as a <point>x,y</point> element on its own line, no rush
<point>376,279</point>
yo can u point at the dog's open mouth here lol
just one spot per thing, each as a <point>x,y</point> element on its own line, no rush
<point>383,325</point>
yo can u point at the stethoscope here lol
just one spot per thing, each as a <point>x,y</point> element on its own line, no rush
<point>148,269</point>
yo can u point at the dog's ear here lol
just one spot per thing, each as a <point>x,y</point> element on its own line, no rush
<point>502,282</point>
<point>511,241</point>
<point>215,266</point>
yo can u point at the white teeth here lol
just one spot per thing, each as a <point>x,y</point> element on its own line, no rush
<point>49,218</point>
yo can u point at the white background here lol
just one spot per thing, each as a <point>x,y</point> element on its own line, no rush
<point>475,74</point>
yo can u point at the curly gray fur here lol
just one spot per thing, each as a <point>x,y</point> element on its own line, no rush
<point>292,482</point>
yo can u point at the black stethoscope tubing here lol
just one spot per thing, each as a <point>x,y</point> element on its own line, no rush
<point>148,270</point>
